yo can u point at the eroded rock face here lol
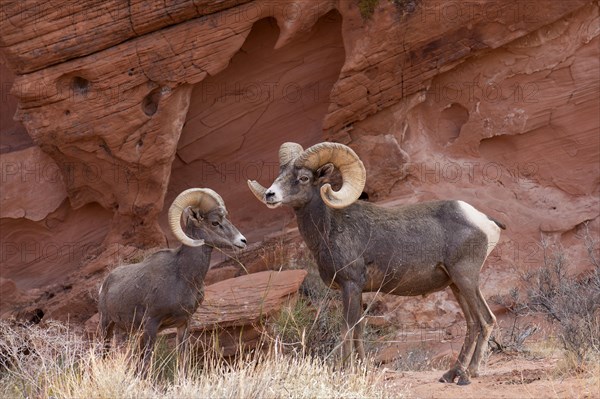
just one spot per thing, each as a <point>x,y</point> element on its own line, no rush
<point>32,185</point>
<point>492,103</point>
<point>238,119</point>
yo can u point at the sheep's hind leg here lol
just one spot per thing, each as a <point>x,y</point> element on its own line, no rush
<point>487,322</point>
<point>106,331</point>
<point>459,368</point>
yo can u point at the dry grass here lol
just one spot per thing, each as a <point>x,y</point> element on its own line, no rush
<point>52,361</point>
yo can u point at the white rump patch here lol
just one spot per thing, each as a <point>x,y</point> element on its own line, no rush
<point>481,221</point>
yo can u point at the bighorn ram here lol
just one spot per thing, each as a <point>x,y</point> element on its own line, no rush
<point>408,250</point>
<point>166,289</point>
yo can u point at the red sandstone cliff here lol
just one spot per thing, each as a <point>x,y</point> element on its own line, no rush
<point>117,109</point>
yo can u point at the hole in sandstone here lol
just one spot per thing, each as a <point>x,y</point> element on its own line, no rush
<point>105,147</point>
<point>238,118</point>
<point>80,85</point>
<point>35,316</point>
<point>451,121</point>
<point>150,102</point>
<point>67,112</point>
<point>38,315</point>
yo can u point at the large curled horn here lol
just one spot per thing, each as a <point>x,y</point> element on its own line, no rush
<point>203,198</point>
<point>288,152</point>
<point>350,166</point>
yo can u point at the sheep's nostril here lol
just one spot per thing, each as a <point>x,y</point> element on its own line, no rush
<point>244,241</point>
<point>269,194</point>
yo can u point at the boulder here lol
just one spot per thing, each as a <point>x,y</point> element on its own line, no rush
<point>234,310</point>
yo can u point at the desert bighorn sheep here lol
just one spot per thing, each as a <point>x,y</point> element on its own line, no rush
<point>407,250</point>
<point>166,288</point>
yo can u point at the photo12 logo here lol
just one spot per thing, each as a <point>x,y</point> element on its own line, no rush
<point>47,251</point>
<point>471,171</point>
<point>256,92</point>
<point>471,92</point>
<point>472,11</point>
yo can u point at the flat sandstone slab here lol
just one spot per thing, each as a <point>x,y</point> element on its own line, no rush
<point>244,300</point>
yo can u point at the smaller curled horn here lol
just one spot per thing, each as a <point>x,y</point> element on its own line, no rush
<point>203,198</point>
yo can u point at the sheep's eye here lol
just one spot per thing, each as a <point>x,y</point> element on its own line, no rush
<point>215,223</point>
<point>303,179</point>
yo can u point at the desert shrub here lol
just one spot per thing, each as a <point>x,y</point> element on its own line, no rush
<point>573,302</point>
<point>414,359</point>
<point>305,329</point>
<point>312,324</point>
<point>512,337</point>
<point>570,302</point>
<point>367,7</point>
<point>417,358</point>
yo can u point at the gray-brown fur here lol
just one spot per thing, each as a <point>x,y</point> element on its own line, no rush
<point>166,288</point>
<point>409,250</point>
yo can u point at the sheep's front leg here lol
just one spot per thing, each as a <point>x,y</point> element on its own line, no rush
<point>352,330</point>
<point>147,341</point>
<point>358,333</point>
<point>183,346</point>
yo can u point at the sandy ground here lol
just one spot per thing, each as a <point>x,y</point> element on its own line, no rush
<point>504,376</point>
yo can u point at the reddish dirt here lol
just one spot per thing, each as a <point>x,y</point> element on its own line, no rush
<point>504,376</point>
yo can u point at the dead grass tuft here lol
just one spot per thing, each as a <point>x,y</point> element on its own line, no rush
<point>60,363</point>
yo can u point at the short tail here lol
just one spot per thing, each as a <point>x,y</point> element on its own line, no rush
<point>499,224</point>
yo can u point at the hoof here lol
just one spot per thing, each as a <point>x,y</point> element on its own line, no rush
<point>463,378</point>
<point>448,376</point>
<point>463,381</point>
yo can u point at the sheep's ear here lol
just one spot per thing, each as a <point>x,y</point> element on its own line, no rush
<point>325,170</point>
<point>326,173</point>
<point>191,215</point>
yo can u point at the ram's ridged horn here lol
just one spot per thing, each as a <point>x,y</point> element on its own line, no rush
<point>288,152</point>
<point>204,199</point>
<point>257,190</point>
<point>350,166</point>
